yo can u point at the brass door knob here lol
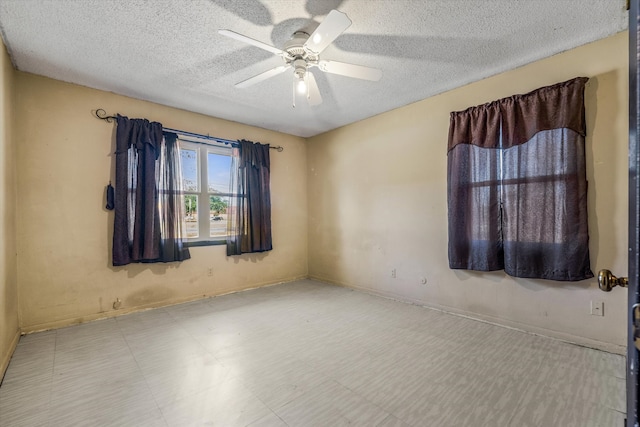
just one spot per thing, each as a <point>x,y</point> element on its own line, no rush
<point>607,281</point>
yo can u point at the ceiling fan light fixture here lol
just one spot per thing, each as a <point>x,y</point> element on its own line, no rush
<point>301,86</point>
<point>300,73</point>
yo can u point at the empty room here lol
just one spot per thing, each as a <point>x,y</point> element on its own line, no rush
<point>319,213</point>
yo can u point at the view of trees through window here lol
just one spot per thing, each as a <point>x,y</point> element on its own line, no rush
<point>217,205</point>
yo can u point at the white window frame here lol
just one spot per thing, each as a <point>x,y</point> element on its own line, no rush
<point>204,226</point>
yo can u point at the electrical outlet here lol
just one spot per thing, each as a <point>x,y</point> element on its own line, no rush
<point>393,273</point>
<point>597,308</point>
<point>210,271</point>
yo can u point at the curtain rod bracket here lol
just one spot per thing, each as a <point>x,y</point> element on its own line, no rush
<point>102,115</point>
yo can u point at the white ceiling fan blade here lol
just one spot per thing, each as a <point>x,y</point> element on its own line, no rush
<point>350,70</point>
<point>251,41</point>
<point>313,92</point>
<point>262,76</point>
<point>333,25</point>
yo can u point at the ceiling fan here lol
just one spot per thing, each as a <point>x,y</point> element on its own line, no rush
<point>302,52</point>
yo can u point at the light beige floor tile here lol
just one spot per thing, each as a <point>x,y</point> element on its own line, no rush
<point>173,383</point>
<point>271,420</point>
<point>545,407</point>
<point>25,416</point>
<point>118,402</point>
<point>227,404</point>
<point>149,319</point>
<point>305,354</point>
<point>392,421</point>
<point>278,383</point>
<point>331,404</point>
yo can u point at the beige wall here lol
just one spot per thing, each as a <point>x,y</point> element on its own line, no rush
<point>9,327</point>
<point>378,201</point>
<point>64,233</point>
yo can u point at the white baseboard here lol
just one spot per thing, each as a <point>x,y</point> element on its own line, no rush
<point>56,324</point>
<point>505,323</point>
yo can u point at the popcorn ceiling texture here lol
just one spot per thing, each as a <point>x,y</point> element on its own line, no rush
<point>169,51</point>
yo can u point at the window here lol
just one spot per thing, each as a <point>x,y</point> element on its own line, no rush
<point>206,171</point>
<point>517,189</point>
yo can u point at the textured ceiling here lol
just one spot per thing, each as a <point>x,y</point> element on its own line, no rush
<point>170,52</point>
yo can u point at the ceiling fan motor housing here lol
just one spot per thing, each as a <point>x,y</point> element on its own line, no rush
<point>297,55</point>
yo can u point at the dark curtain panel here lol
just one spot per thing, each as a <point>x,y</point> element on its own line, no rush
<point>250,212</point>
<point>518,196</point>
<point>475,240</point>
<point>137,234</point>
<point>171,202</point>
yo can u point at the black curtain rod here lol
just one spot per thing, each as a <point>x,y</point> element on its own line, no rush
<point>102,115</point>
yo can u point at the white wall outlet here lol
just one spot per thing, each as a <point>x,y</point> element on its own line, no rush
<point>597,308</point>
<point>210,271</point>
<point>423,280</point>
<point>393,273</point>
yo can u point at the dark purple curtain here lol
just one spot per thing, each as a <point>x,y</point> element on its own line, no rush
<point>517,189</point>
<point>173,239</point>
<point>249,224</point>
<point>475,239</point>
<point>137,233</point>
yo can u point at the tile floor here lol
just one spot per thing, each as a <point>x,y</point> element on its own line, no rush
<point>306,354</point>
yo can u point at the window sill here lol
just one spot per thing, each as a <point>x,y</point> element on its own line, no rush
<point>206,243</point>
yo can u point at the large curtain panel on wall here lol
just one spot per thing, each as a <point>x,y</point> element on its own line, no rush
<point>517,189</point>
<point>148,195</point>
<point>249,221</point>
